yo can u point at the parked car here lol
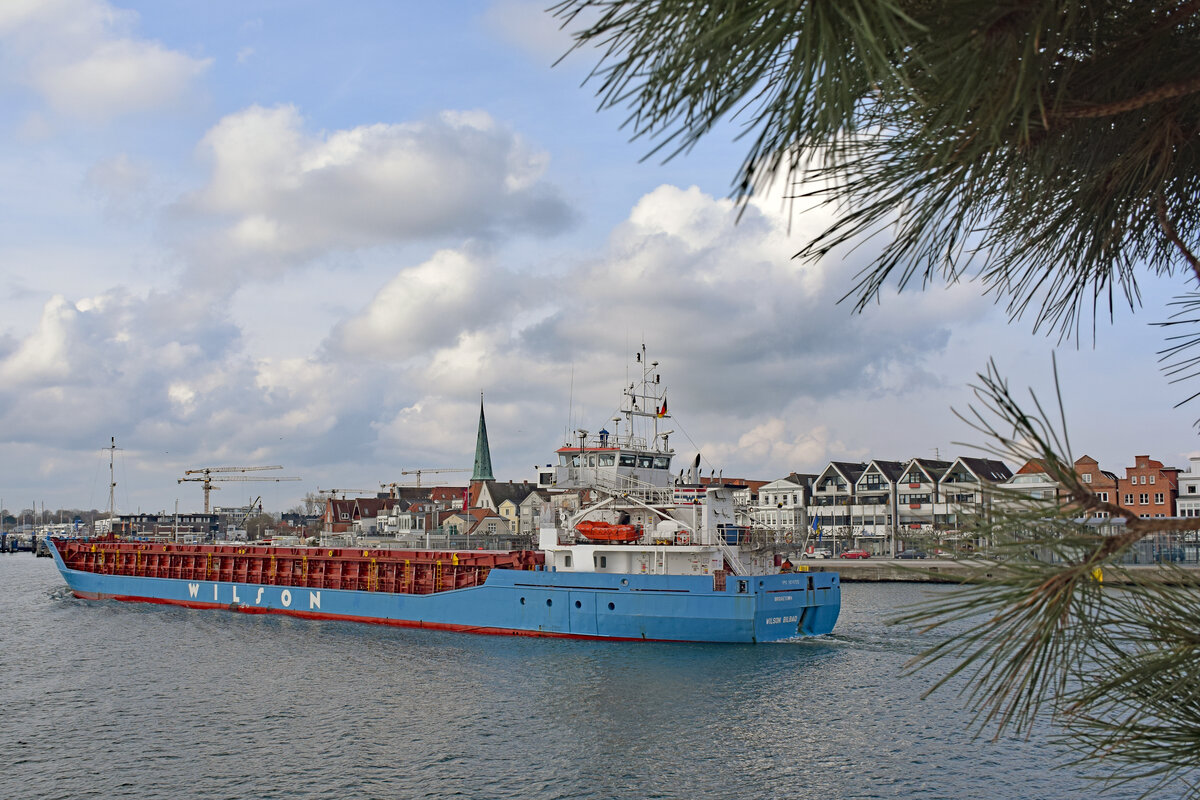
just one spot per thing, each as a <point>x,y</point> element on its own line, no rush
<point>911,554</point>
<point>856,554</point>
<point>819,552</point>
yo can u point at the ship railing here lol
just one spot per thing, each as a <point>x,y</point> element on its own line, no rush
<point>641,490</point>
<point>731,557</point>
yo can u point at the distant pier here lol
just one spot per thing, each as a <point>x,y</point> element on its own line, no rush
<point>933,570</point>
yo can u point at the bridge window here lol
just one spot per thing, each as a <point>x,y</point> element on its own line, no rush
<point>607,459</point>
<point>628,460</point>
<point>662,462</point>
<point>646,462</point>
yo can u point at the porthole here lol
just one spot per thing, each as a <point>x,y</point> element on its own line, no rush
<point>578,604</point>
<point>611,606</point>
<point>549,602</point>
<point>624,581</point>
<point>522,601</point>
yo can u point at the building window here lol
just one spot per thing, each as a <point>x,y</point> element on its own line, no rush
<point>1143,480</point>
<point>1158,498</point>
<point>1151,479</point>
<point>1103,496</point>
<point>1128,499</point>
<point>1087,477</point>
<point>1191,488</point>
<point>1144,499</point>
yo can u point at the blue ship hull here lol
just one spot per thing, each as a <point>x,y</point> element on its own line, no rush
<point>678,608</point>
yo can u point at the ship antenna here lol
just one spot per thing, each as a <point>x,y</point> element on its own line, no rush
<point>570,404</point>
<point>112,483</point>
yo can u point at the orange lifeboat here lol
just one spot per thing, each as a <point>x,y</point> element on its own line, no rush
<point>608,532</point>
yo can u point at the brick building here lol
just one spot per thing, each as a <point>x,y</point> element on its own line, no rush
<point>1102,482</point>
<point>1149,489</point>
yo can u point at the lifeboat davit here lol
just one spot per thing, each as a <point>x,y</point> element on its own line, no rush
<point>608,532</point>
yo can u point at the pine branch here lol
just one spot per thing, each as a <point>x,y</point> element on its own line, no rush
<point>1172,235</point>
<point>1157,95</point>
<point>1044,614</point>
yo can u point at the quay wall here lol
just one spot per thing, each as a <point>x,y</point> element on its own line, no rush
<point>878,570</point>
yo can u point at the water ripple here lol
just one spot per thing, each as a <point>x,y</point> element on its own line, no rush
<point>117,700</point>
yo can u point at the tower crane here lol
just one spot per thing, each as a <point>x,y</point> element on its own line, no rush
<point>343,492</point>
<point>418,472</point>
<point>207,478</point>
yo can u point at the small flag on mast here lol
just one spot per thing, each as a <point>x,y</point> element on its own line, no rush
<point>662,412</point>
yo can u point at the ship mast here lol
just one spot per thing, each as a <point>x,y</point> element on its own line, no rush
<point>641,398</point>
<point>112,483</point>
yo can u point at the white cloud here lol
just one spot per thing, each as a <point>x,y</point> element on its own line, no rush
<point>526,24</point>
<point>44,356</point>
<point>428,307</point>
<point>773,443</point>
<point>118,78</point>
<point>755,350</point>
<point>83,59</point>
<point>683,276</point>
<point>765,375</point>
<point>283,193</point>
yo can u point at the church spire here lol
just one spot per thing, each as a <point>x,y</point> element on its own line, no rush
<point>483,454</point>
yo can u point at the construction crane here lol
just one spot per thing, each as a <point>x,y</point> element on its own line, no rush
<point>342,492</point>
<point>207,477</point>
<point>418,472</point>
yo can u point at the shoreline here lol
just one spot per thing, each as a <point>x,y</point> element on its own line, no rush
<point>886,570</point>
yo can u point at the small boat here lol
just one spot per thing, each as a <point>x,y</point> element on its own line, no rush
<point>599,531</point>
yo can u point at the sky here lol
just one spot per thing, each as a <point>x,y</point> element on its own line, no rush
<point>311,234</point>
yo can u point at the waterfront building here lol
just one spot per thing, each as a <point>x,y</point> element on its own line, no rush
<point>535,508</point>
<point>1033,480</point>
<point>1103,483</point>
<point>457,523</point>
<point>1149,489</point>
<point>918,494</point>
<point>448,497</point>
<point>160,525</point>
<point>1187,504</point>
<point>782,505</point>
<point>356,514</point>
<point>968,489</point>
<point>833,496</point>
<point>493,495</point>
<point>875,509</point>
<point>405,520</point>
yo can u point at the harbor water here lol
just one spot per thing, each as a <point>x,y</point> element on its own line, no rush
<point>107,699</point>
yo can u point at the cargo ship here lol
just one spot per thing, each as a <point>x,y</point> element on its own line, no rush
<point>651,557</point>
